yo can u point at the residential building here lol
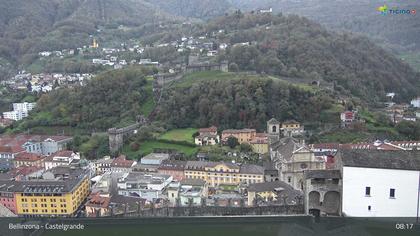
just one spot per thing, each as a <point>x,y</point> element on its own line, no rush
<point>15,115</point>
<point>207,136</point>
<point>61,158</point>
<point>216,173</point>
<point>144,185</point>
<point>347,117</point>
<point>276,192</point>
<point>291,128</point>
<point>98,206</point>
<point>20,111</point>
<point>28,159</point>
<point>243,135</point>
<point>154,158</point>
<point>7,154</point>
<point>103,165</point>
<point>415,102</point>
<point>7,195</point>
<point>24,106</point>
<point>60,196</point>
<point>39,144</point>
<point>173,168</point>
<point>260,143</point>
<point>121,164</point>
<point>23,173</point>
<point>192,192</point>
<point>379,183</point>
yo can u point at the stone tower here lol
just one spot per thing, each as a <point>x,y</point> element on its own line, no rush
<point>273,129</point>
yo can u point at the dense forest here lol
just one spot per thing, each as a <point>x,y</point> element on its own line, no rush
<point>240,102</point>
<point>200,9</point>
<point>361,16</point>
<point>110,99</point>
<point>297,47</point>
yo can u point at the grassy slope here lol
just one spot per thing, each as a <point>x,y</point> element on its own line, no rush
<point>148,147</point>
<point>149,105</point>
<point>180,135</point>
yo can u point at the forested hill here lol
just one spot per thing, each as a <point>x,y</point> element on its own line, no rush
<point>111,99</point>
<point>239,101</point>
<point>28,26</point>
<point>401,31</point>
<point>297,47</point>
<point>200,9</point>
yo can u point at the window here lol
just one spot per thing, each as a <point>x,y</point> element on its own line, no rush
<point>369,208</point>
<point>274,129</point>
<point>392,193</point>
<point>289,179</point>
<point>367,191</point>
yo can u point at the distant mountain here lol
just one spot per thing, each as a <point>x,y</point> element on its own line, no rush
<point>28,26</point>
<point>359,16</point>
<point>201,9</point>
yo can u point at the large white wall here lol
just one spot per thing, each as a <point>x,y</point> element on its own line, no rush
<point>355,202</point>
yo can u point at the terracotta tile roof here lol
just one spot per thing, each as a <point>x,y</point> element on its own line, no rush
<point>121,161</point>
<point>96,200</point>
<point>260,138</point>
<point>26,156</point>
<point>24,170</point>
<point>63,153</point>
<point>32,137</point>
<point>11,149</point>
<point>211,129</point>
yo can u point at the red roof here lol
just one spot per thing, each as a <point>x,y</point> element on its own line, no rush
<point>62,153</point>
<point>121,161</point>
<point>11,149</point>
<point>23,138</point>
<point>211,129</point>
<point>260,138</point>
<point>24,170</point>
<point>325,145</point>
<point>26,156</point>
<point>96,200</point>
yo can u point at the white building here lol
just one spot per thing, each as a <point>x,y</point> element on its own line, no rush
<point>154,158</point>
<point>20,111</point>
<point>380,183</point>
<point>61,158</point>
<point>416,102</point>
<point>15,115</point>
<point>144,185</point>
<point>24,106</point>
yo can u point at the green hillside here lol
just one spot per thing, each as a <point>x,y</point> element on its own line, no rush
<point>297,47</point>
<point>111,99</point>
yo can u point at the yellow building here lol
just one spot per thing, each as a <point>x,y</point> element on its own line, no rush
<point>220,173</point>
<point>292,128</point>
<point>243,135</point>
<point>51,197</point>
<point>272,192</point>
<point>94,44</point>
<point>260,143</point>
